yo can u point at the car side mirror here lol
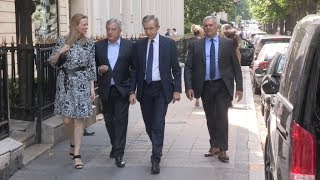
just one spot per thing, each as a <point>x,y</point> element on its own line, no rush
<point>259,71</point>
<point>270,86</point>
<point>276,76</point>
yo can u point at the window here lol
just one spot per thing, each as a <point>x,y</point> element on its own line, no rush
<point>279,67</point>
<point>45,19</point>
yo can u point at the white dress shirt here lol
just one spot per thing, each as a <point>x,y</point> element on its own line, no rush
<point>155,65</point>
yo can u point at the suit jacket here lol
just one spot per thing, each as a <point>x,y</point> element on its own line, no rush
<point>122,73</point>
<point>195,67</point>
<point>170,71</point>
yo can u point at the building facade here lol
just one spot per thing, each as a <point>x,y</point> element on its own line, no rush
<point>58,12</point>
<point>130,12</point>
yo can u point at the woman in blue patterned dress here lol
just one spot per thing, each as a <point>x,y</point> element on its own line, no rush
<point>74,56</point>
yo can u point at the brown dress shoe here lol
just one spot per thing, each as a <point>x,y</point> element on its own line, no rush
<point>222,156</point>
<point>212,151</point>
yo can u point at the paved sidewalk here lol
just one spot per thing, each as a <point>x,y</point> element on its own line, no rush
<point>186,141</point>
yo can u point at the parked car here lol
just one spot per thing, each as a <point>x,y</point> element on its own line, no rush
<point>267,39</point>
<point>262,62</point>
<point>246,50</point>
<point>256,38</point>
<point>274,71</point>
<point>254,33</point>
<point>292,145</point>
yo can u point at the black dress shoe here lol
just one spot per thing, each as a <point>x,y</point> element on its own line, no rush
<point>155,168</point>
<point>112,155</point>
<point>119,162</point>
<point>87,133</point>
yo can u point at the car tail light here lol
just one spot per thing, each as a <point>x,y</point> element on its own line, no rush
<point>263,64</point>
<point>302,164</point>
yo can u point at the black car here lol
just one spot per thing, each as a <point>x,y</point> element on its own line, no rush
<point>292,145</point>
<point>273,72</point>
<point>246,51</point>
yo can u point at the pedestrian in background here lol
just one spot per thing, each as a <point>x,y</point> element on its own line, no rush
<point>158,83</point>
<point>115,67</point>
<point>198,33</point>
<point>74,56</point>
<point>174,31</point>
<point>228,32</point>
<point>168,32</point>
<point>210,71</point>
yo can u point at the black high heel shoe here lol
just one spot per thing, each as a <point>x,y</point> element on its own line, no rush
<point>78,166</point>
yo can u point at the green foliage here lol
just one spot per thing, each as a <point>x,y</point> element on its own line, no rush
<point>241,10</point>
<point>196,10</point>
<point>268,10</point>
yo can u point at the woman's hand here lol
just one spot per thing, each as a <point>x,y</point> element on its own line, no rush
<point>93,95</point>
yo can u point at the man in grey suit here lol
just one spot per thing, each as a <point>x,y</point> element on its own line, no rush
<point>210,71</point>
<point>114,59</point>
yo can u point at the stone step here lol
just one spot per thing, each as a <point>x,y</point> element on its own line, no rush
<point>20,125</point>
<point>11,154</point>
<point>34,151</point>
<point>53,129</point>
<point>22,131</point>
<point>25,137</point>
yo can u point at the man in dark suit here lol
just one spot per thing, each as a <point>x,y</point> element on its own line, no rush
<point>158,83</point>
<point>114,61</point>
<point>210,71</point>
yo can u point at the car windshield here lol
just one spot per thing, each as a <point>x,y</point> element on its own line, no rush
<point>269,50</point>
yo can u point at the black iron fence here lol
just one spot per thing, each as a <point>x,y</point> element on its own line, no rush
<point>4,97</point>
<point>27,84</point>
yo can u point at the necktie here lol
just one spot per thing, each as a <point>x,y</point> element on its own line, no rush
<point>149,63</point>
<point>212,60</point>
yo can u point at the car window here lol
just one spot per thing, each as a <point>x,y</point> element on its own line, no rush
<point>294,65</point>
<point>279,67</point>
<point>262,42</point>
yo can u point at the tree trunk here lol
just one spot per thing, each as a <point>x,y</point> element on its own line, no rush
<point>281,27</point>
<point>289,24</point>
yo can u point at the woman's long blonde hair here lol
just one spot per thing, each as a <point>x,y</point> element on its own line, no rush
<point>74,34</point>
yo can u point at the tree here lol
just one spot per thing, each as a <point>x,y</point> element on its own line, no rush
<point>278,11</point>
<point>196,10</point>
<point>241,10</point>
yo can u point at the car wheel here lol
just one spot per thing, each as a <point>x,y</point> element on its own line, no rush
<point>267,160</point>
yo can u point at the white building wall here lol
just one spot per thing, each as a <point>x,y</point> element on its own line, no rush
<point>7,21</point>
<point>130,12</point>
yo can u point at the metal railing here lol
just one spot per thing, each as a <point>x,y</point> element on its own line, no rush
<point>4,97</point>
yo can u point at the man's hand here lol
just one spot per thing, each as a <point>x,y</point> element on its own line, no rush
<point>103,69</point>
<point>132,99</point>
<point>190,94</point>
<point>238,95</point>
<point>176,97</point>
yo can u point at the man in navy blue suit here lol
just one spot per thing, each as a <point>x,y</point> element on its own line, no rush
<point>158,81</point>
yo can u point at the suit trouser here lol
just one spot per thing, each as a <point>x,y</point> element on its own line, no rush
<point>154,108</point>
<point>115,112</point>
<point>216,100</point>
